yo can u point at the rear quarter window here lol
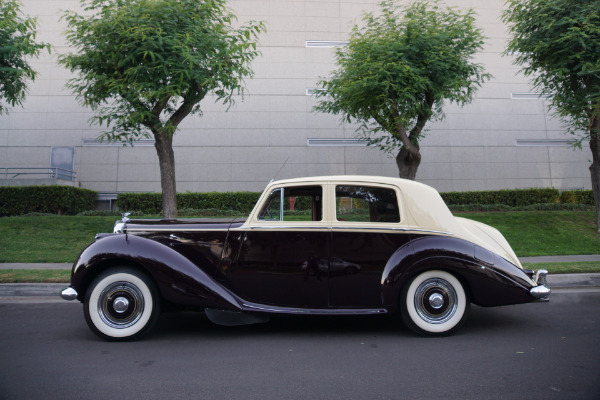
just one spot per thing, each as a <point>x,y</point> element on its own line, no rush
<point>366,204</point>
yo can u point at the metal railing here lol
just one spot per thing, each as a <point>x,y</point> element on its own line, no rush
<point>51,173</point>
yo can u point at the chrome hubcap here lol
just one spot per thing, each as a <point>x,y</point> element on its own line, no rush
<point>435,301</point>
<point>121,305</point>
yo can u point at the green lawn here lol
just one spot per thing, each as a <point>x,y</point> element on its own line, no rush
<point>48,238</point>
<point>63,276</point>
<point>544,233</point>
<point>566,268</point>
<point>33,239</point>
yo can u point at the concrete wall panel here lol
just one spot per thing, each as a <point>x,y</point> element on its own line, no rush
<point>473,148</point>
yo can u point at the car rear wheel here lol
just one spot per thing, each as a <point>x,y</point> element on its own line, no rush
<point>434,303</point>
<point>121,304</point>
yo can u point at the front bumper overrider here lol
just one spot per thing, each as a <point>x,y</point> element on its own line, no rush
<point>68,293</point>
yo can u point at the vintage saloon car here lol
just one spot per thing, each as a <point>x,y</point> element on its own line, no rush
<point>334,245</point>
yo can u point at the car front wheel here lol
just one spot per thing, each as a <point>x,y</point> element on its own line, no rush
<point>121,304</point>
<point>434,303</point>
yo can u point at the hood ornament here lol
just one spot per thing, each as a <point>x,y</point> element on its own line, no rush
<point>125,216</point>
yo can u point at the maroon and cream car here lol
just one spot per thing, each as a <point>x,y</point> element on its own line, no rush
<point>334,245</point>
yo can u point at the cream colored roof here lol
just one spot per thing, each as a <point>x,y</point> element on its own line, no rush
<point>423,209</point>
<point>422,205</point>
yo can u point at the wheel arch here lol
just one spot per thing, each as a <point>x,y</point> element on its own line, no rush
<point>92,271</point>
<point>487,279</point>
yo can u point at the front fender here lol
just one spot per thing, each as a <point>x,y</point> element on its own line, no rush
<point>179,280</point>
<point>489,279</point>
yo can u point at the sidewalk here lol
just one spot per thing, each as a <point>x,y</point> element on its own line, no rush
<point>52,290</point>
<point>35,265</point>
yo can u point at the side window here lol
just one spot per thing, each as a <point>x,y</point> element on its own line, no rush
<point>366,204</point>
<point>304,203</point>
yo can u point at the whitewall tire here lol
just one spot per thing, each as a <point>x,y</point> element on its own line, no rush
<point>434,303</point>
<point>121,304</point>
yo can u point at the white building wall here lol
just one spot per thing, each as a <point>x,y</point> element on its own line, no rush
<point>265,135</point>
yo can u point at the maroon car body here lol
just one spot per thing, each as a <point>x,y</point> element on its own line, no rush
<point>301,261</point>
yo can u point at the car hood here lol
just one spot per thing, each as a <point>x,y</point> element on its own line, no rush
<point>157,225</point>
<point>489,238</point>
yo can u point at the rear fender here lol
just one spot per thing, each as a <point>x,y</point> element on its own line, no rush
<point>489,279</point>
<point>178,279</point>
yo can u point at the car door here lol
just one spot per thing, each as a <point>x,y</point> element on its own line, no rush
<point>364,235</point>
<point>283,257</point>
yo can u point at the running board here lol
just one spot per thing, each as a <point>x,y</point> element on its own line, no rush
<point>262,308</point>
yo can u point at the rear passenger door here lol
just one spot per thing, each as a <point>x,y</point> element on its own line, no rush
<point>364,235</point>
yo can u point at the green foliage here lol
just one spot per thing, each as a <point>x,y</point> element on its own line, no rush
<point>511,198</point>
<point>399,69</point>
<point>143,65</point>
<point>19,200</point>
<point>241,203</point>
<point>557,43</point>
<point>99,213</point>
<point>17,43</point>
<point>577,197</point>
<point>151,203</point>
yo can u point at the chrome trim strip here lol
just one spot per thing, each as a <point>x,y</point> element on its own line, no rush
<point>282,227</point>
<point>130,230</point>
<point>391,229</point>
<point>277,227</point>
<point>356,228</point>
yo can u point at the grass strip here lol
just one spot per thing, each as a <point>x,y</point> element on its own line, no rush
<point>544,233</point>
<point>34,239</point>
<point>64,276</point>
<point>566,267</point>
<point>35,276</point>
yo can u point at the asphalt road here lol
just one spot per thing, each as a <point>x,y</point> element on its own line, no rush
<point>531,351</point>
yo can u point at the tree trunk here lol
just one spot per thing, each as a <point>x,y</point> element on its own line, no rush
<point>166,162</point>
<point>408,162</point>
<point>595,167</point>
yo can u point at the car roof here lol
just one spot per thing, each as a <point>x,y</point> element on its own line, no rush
<point>402,183</point>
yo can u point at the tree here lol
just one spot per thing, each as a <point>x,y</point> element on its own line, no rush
<point>398,70</point>
<point>145,65</point>
<point>17,42</point>
<point>557,43</point>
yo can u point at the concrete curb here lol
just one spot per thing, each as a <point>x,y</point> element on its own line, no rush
<point>52,290</point>
<point>562,281</point>
<point>31,289</point>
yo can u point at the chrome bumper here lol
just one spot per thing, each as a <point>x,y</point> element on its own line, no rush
<point>69,293</point>
<point>541,292</point>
